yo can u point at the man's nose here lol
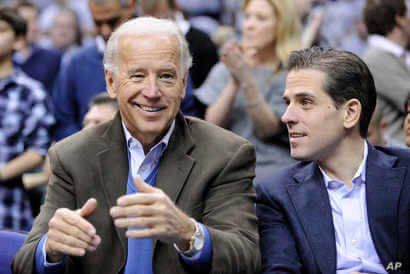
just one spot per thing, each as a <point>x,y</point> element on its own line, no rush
<point>151,88</point>
<point>289,116</point>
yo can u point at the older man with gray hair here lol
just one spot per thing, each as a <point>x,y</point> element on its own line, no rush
<point>170,189</point>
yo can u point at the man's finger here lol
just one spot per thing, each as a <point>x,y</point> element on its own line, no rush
<point>143,222</point>
<point>134,210</point>
<point>68,229</point>
<point>79,222</point>
<point>88,208</point>
<point>143,187</point>
<point>64,249</point>
<point>66,239</point>
<point>138,198</point>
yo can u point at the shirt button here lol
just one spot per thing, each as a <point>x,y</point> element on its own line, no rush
<point>143,168</point>
<point>354,242</point>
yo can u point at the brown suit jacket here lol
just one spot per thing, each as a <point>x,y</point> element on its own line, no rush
<point>205,170</point>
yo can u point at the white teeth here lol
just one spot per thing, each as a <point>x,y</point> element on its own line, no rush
<point>296,135</point>
<point>150,109</point>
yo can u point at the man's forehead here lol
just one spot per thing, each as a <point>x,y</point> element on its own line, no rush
<point>153,41</point>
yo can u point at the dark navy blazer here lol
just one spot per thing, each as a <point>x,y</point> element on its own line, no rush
<point>295,219</point>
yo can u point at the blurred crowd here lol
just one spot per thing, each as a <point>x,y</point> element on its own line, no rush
<point>52,80</point>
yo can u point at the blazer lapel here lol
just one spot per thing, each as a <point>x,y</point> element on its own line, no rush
<point>383,186</point>
<point>113,171</point>
<point>311,201</point>
<point>176,164</point>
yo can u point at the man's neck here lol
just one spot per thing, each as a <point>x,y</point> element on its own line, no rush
<point>6,67</point>
<point>396,36</point>
<point>343,162</point>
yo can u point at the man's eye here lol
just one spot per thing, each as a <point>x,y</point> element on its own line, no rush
<point>167,76</point>
<point>306,102</point>
<point>137,76</point>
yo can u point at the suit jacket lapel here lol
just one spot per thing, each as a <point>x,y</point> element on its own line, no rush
<point>113,171</point>
<point>176,164</point>
<point>383,186</point>
<point>311,201</point>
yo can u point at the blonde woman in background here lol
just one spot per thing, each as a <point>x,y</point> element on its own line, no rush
<point>243,92</point>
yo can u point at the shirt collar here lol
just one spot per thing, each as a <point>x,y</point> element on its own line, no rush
<point>99,41</point>
<point>131,141</point>
<point>380,42</point>
<point>360,172</point>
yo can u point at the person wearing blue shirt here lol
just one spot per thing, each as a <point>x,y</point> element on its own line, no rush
<point>151,191</point>
<point>345,207</point>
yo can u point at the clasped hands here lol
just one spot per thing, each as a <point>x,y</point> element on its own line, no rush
<point>149,210</point>
<point>237,61</point>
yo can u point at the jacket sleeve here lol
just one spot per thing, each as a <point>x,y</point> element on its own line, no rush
<point>60,194</point>
<point>229,214</point>
<point>277,243</point>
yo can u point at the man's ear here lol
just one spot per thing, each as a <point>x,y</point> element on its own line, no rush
<point>184,85</point>
<point>109,81</point>
<point>352,111</point>
<point>19,42</point>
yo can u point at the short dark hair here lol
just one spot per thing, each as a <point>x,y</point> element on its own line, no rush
<point>17,23</point>
<point>347,77</point>
<point>103,99</point>
<point>380,15</point>
<point>406,103</point>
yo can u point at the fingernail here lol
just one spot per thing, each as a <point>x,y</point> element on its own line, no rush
<point>114,211</point>
<point>91,232</point>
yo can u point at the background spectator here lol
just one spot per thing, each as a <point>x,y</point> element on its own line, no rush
<point>25,121</point>
<point>244,92</point>
<point>82,77</point>
<point>39,63</point>
<point>377,126</point>
<point>65,32</point>
<point>389,27</point>
<point>102,109</point>
<point>407,121</point>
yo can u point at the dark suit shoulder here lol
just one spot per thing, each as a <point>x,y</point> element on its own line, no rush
<point>283,177</point>
<point>402,154</point>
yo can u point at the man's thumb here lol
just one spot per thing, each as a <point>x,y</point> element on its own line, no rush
<point>88,207</point>
<point>143,186</point>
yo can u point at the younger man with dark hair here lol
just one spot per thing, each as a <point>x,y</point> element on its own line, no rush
<point>345,207</point>
<point>24,126</point>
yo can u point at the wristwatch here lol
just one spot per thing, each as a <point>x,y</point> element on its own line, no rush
<point>196,243</point>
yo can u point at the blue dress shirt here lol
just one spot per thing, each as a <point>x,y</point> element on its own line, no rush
<point>354,245</point>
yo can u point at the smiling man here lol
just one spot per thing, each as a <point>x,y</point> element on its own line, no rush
<point>345,207</point>
<point>151,191</point>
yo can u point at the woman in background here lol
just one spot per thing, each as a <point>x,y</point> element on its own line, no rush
<point>243,93</point>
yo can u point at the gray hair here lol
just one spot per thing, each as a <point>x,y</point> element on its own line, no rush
<point>147,25</point>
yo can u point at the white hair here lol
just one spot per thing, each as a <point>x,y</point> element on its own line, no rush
<point>147,25</point>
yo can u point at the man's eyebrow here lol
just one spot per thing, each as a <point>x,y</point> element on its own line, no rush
<point>135,70</point>
<point>300,95</point>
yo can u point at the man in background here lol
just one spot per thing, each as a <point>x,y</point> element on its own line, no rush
<point>102,109</point>
<point>407,121</point>
<point>25,121</point>
<point>82,77</point>
<point>39,63</point>
<point>388,24</point>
